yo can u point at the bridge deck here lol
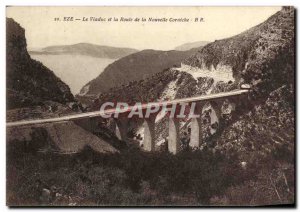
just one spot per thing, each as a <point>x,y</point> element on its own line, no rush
<point>112,111</point>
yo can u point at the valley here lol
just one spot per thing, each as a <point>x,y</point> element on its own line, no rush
<point>75,70</point>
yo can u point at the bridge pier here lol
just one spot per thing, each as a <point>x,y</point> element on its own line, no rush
<point>112,125</point>
<point>122,128</point>
<point>196,127</point>
<point>196,137</point>
<point>149,133</point>
<point>217,107</point>
<point>173,142</point>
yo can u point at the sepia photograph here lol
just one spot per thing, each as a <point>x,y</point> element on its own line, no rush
<point>150,106</point>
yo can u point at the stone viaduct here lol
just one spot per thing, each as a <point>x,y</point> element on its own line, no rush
<point>89,120</point>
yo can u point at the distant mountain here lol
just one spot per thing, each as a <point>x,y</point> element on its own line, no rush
<point>29,82</point>
<point>134,67</point>
<point>86,49</point>
<point>188,46</point>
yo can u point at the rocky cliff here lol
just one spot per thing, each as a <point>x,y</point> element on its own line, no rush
<point>29,82</point>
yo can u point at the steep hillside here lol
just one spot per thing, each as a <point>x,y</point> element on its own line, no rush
<point>64,137</point>
<point>268,128</point>
<point>86,49</point>
<point>261,136</point>
<point>189,46</point>
<point>260,55</point>
<point>263,56</point>
<point>166,85</point>
<point>29,82</point>
<point>134,67</point>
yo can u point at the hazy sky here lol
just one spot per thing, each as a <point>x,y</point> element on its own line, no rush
<point>219,22</point>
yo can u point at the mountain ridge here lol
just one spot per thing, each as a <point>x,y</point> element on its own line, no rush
<point>87,49</point>
<point>134,67</point>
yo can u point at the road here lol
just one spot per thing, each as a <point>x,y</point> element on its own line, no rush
<point>113,110</point>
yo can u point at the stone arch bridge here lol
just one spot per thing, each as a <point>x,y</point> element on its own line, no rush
<point>89,120</point>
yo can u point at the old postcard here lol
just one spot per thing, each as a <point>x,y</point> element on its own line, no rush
<point>150,106</point>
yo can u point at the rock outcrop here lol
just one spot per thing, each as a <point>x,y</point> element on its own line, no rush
<point>29,82</point>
